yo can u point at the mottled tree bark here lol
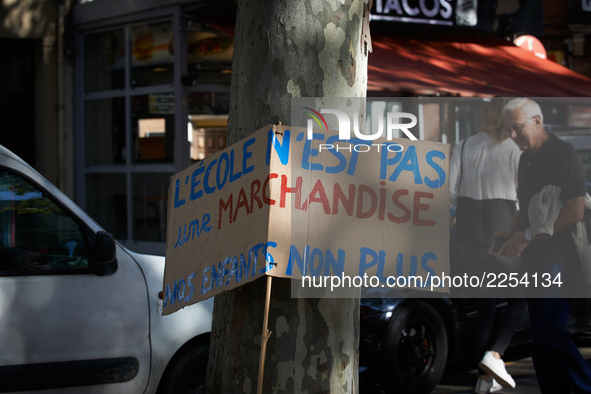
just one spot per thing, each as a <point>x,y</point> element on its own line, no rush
<point>285,49</point>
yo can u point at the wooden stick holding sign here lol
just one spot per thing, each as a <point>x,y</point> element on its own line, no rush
<point>265,335</point>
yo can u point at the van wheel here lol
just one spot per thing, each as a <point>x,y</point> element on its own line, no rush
<point>415,348</point>
<point>186,373</point>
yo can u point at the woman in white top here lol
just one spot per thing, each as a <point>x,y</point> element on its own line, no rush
<point>483,190</point>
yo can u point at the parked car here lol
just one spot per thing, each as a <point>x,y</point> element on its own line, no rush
<point>409,343</point>
<point>78,309</point>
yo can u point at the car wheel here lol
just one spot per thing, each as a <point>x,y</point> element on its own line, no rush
<point>415,348</point>
<point>186,373</point>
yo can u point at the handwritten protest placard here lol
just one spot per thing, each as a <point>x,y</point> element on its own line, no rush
<point>278,203</point>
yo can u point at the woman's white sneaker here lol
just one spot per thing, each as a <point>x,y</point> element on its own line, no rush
<point>495,367</point>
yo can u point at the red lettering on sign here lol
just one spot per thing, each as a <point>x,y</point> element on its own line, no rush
<point>396,199</point>
<point>318,194</point>
<point>418,206</point>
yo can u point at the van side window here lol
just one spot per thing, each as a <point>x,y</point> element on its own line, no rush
<point>36,236</point>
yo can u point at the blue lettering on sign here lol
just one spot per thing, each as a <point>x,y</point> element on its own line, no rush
<point>315,261</point>
<point>194,229</point>
<point>177,202</point>
<point>177,293</point>
<point>195,182</point>
<point>170,294</point>
<point>369,258</point>
<point>354,156</point>
<point>234,270</point>
<point>246,154</point>
<point>294,255</point>
<point>218,275</point>
<point>316,254</point>
<point>221,275</point>
<point>181,290</point>
<point>253,256</point>
<point>221,183</point>
<point>268,258</point>
<point>208,189</point>
<point>440,171</point>
<point>374,258</point>
<point>425,263</point>
<point>386,161</point>
<point>281,150</point>
<point>409,162</point>
<point>308,151</point>
<point>223,168</point>
<point>225,171</point>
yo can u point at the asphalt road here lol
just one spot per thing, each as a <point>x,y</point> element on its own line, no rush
<point>521,369</point>
<point>518,363</point>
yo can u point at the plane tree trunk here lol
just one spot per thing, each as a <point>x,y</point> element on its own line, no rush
<point>285,49</point>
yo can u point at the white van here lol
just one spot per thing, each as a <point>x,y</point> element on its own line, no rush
<point>79,312</point>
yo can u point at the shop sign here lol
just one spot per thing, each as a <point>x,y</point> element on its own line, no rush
<point>432,12</point>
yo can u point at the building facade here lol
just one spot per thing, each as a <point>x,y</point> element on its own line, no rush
<point>109,98</point>
<point>31,88</point>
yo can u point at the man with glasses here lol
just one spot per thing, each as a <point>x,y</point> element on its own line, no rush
<point>547,160</point>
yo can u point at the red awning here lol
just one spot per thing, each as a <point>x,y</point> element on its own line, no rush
<point>487,67</point>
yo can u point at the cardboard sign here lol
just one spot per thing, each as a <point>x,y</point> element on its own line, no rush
<point>278,203</point>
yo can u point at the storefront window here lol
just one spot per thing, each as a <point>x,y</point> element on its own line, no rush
<point>579,115</point>
<point>467,118</point>
<point>209,61</point>
<point>153,127</point>
<point>150,200</point>
<point>152,49</point>
<point>109,203</point>
<point>104,127</point>
<point>209,53</point>
<point>104,57</point>
<point>208,123</point>
<point>207,134</point>
<point>106,202</point>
